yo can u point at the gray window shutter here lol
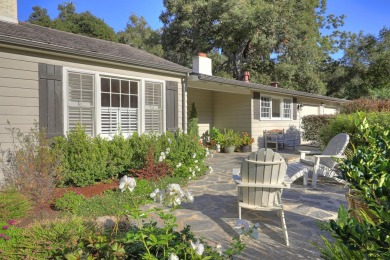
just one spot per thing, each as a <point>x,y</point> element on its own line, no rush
<point>294,108</point>
<point>50,99</point>
<point>172,100</point>
<point>256,105</point>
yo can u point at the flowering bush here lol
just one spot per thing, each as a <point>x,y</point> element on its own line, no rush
<point>246,139</point>
<point>172,196</point>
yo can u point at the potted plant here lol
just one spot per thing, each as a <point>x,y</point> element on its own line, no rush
<point>216,138</point>
<point>230,140</point>
<point>246,141</point>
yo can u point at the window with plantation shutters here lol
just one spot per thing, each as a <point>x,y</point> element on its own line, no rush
<point>153,107</point>
<point>81,105</point>
<point>119,106</point>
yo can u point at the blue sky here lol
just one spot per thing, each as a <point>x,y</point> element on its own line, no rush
<point>366,15</point>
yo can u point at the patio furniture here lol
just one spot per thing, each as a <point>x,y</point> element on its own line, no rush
<point>324,163</point>
<point>278,137</point>
<point>260,182</point>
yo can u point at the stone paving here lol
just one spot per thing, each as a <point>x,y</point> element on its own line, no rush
<point>214,212</point>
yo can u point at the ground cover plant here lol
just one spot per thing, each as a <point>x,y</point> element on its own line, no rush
<point>363,232</point>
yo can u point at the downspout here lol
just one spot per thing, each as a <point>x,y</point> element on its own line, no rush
<point>184,102</point>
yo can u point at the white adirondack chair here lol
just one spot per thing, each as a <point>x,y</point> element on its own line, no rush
<point>324,162</point>
<point>260,182</point>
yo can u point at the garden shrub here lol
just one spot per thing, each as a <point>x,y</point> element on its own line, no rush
<point>30,165</point>
<point>365,232</point>
<point>312,124</point>
<point>365,105</point>
<point>345,123</point>
<point>152,170</point>
<point>13,204</point>
<point>120,155</point>
<point>193,127</point>
<point>45,240</point>
<point>70,201</point>
<point>81,158</point>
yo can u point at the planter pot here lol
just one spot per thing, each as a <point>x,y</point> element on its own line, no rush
<point>229,149</point>
<point>245,148</point>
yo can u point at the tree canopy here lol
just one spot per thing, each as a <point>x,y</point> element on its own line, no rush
<point>275,40</point>
<point>364,69</point>
<point>68,20</point>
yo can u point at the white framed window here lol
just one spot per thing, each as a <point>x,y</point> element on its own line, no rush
<point>80,103</point>
<point>119,112</point>
<point>108,104</point>
<point>153,107</point>
<point>275,108</point>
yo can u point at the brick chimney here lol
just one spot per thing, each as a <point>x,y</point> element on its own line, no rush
<point>246,76</point>
<point>9,11</point>
<point>201,64</point>
<point>275,84</point>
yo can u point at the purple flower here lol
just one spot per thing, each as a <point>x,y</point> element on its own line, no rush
<point>6,238</point>
<point>2,235</point>
<point>11,222</point>
<point>5,227</point>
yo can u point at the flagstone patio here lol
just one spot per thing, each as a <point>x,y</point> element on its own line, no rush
<point>214,212</point>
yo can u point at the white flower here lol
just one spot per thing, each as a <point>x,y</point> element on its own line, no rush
<point>219,249</point>
<point>188,197</point>
<point>167,151</point>
<point>194,155</point>
<point>196,161</point>
<point>160,159</point>
<point>198,247</point>
<point>193,173</point>
<point>178,165</point>
<point>190,169</point>
<point>211,169</point>
<point>241,226</point>
<point>174,187</point>
<point>173,257</point>
<point>127,182</point>
<point>169,140</point>
<point>189,178</point>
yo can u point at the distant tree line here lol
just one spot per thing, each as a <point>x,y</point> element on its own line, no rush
<point>274,40</point>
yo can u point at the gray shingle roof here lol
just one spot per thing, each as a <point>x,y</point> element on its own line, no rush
<point>34,36</point>
<point>260,87</point>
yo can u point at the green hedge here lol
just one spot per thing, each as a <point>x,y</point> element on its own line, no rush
<point>312,125</point>
<point>345,123</point>
<point>86,160</point>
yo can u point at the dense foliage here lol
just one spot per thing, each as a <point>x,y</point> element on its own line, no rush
<point>365,105</point>
<point>69,21</point>
<point>365,233</point>
<point>276,41</point>
<point>29,165</point>
<point>345,123</point>
<point>86,160</point>
<point>311,126</point>
<point>13,204</point>
<point>364,70</point>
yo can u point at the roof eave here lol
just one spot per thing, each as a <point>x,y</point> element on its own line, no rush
<point>254,86</point>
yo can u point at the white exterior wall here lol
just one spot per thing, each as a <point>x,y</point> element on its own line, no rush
<point>203,100</point>
<point>232,111</point>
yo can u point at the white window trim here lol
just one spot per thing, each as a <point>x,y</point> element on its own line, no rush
<point>281,99</point>
<point>97,78</point>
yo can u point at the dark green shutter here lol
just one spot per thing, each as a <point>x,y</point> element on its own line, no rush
<point>256,105</point>
<point>50,99</point>
<point>294,108</point>
<point>172,99</point>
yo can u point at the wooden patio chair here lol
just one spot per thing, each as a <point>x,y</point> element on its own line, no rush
<point>260,182</point>
<point>324,163</point>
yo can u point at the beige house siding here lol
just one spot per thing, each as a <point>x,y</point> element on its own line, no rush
<point>203,100</point>
<point>232,111</point>
<point>19,100</point>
